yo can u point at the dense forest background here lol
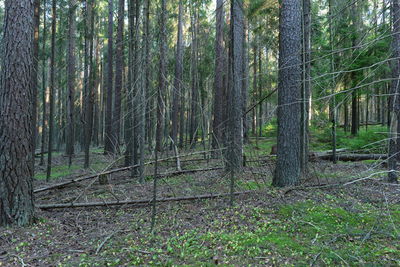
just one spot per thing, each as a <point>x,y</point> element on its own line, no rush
<point>243,132</point>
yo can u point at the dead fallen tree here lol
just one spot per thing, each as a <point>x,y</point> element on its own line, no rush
<point>175,173</point>
<point>351,157</point>
<point>143,202</point>
<point>93,176</point>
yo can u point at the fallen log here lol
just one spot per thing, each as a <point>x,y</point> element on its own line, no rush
<point>76,180</point>
<point>136,202</point>
<point>168,174</point>
<point>351,157</point>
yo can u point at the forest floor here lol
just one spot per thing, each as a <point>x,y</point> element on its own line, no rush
<point>343,214</point>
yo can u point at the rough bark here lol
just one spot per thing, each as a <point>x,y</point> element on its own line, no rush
<point>395,99</point>
<point>51,91</point>
<point>194,102</point>
<point>44,78</point>
<point>34,79</point>
<point>89,79</point>
<point>235,123</point>
<point>305,107</point>
<point>130,88</point>
<point>16,115</point>
<point>119,67</point>
<point>219,76</point>
<point>355,112</point>
<point>70,140</point>
<point>108,139</point>
<point>287,170</point>
<point>177,90</point>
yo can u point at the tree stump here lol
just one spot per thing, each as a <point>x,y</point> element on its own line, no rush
<point>104,179</point>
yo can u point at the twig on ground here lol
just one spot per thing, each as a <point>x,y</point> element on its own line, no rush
<point>105,241</point>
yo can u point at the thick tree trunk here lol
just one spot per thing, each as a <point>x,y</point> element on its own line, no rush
<point>235,122</point>
<point>109,142</point>
<point>16,115</point>
<point>44,78</point>
<point>395,99</point>
<point>287,170</point>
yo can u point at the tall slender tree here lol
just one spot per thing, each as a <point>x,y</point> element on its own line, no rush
<point>70,138</point>
<point>218,76</point>
<point>177,91</point>
<point>16,115</point>
<point>306,89</point>
<point>119,68</point>
<point>52,85</point>
<point>44,78</point>
<point>109,142</point>
<point>88,79</point>
<point>287,170</point>
<point>35,67</point>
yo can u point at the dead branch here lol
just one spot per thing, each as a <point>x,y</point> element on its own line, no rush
<point>72,181</point>
<point>143,202</point>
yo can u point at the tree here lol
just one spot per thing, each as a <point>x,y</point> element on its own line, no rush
<point>88,79</point>
<point>177,91</point>
<point>35,67</point>
<point>235,123</point>
<point>119,68</point>
<point>109,142</point>
<point>218,76</point>
<point>287,170</point>
<point>306,89</point>
<point>16,115</point>
<point>70,138</point>
<point>52,85</point>
<point>44,78</point>
<point>395,99</point>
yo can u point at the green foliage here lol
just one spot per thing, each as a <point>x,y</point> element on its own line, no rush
<point>372,140</point>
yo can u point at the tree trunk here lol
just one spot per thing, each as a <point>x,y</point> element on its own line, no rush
<point>394,95</point>
<point>51,92</point>
<point>119,68</point>
<point>235,122</point>
<point>16,115</point>
<point>306,89</point>
<point>130,88</point>
<point>245,84</point>
<point>194,110</point>
<point>219,75</point>
<point>355,114</point>
<point>287,170</point>
<point>260,85</point>
<point>34,79</point>
<point>44,89</point>
<point>177,90</point>
<point>109,142</point>
<point>70,140</point>
<point>89,79</point>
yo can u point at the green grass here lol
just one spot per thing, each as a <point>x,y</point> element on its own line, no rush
<point>371,140</point>
<point>303,233</point>
<point>60,171</point>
